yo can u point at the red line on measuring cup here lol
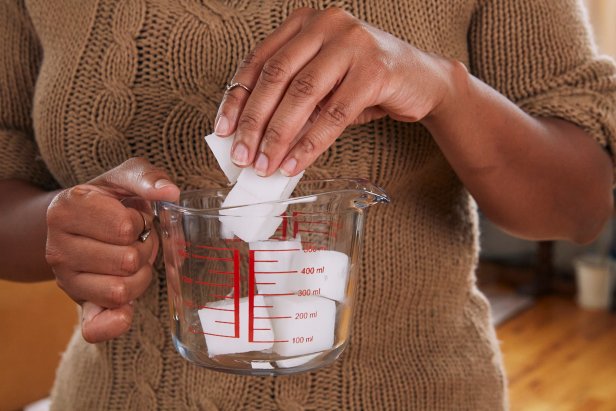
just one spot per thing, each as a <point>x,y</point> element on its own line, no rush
<point>284,228</point>
<point>224,297</point>
<point>236,291</point>
<point>209,247</point>
<point>212,284</point>
<point>221,272</point>
<point>251,295</point>
<point>224,322</point>
<point>277,294</point>
<point>276,272</point>
<point>273,251</point>
<point>316,232</point>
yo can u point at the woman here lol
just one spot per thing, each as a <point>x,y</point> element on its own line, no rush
<point>387,92</point>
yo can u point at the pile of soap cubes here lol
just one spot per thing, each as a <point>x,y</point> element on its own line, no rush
<point>290,318</point>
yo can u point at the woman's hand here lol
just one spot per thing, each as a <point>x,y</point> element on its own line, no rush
<point>319,72</point>
<point>93,244</point>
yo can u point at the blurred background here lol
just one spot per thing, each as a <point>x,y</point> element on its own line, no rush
<point>551,303</point>
<point>554,303</point>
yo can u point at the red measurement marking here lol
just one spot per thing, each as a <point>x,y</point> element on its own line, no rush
<point>276,295</point>
<point>296,213</point>
<point>314,232</point>
<point>183,253</point>
<point>221,272</point>
<point>187,280</point>
<point>295,224</point>
<point>284,228</point>
<point>276,272</point>
<point>225,322</point>
<point>219,335</point>
<point>236,289</point>
<point>192,330</point>
<point>190,304</point>
<point>215,308</point>
<point>264,306</point>
<point>226,297</point>
<point>286,249</point>
<point>271,318</point>
<point>272,341</point>
<point>251,295</point>
<point>212,284</point>
<point>264,261</point>
<point>207,247</point>
<point>262,329</point>
<point>265,283</point>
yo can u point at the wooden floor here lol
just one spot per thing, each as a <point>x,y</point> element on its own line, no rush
<point>560,358</point>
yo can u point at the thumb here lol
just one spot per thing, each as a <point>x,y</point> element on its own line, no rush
<point>137,177</point>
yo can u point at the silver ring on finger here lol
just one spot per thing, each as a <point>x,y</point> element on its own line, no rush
<point>231,86</point>
<point>146,230</point>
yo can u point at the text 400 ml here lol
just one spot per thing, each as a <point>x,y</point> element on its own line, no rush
<point>313,270</point>
<point>306,292</point>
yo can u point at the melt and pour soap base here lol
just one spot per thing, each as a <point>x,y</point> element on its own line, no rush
<point>218,325</point>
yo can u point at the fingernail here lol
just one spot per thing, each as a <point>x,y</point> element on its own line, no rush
<point>162,183</point>
<point>240,154</point>
<point>222,126</point>
<point>288,167</point>
<point>261,164</point>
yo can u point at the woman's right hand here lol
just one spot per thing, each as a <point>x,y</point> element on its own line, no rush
<point>94,249</point>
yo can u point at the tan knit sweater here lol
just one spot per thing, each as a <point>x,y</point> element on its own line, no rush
<point>86,84</point>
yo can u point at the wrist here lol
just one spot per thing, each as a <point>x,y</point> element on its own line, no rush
<point>456,80</point>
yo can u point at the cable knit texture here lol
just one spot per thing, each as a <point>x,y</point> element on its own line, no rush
<point>86,84</point>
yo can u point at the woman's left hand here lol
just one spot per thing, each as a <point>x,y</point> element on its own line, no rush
<point>319,72</point>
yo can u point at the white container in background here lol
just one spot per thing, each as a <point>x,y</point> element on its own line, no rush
<point>595,279</point>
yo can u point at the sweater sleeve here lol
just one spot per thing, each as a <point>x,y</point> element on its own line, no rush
<point>20,57</point>
<point>541,55</point>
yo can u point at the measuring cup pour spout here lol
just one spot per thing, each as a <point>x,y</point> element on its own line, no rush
<point>369,194</point>
<point>267,288</point>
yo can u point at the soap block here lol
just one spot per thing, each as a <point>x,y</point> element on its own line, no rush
<point>261,220</point>
<point>273,188</point>
<point>310,328</point>
<point>261,365</point>
<point>222,323</point>
<point>250,222</point>
<point>221,147</point>
<point>249,228</point>
<point>296,362</point>
<point>273,268</point>
<point>324,270</point>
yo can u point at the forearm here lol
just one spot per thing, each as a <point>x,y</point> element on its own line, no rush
<point>536,178</point>
<point>23,231</point>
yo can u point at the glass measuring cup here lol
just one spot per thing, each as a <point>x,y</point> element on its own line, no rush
<point>277,305</point>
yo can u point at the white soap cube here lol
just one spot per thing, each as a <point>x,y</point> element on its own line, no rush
<point>250,222</point>
<point>218,324</point>
<point>296,362</point>
<point>273,268</point>
<point>221,147</point>
<point>310,327</point>
<point>261,365</point>
<point>273,188</point>
<point>250,228</point>
<point>245,203</point>
<point>324,270</point>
